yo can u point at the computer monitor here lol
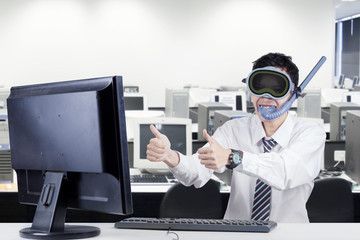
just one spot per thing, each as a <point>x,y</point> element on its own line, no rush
<point>178,130</point>
<point>236,99</point>
<point>355,81</point>
<point>177,103</point>
<point>206,115</point>
<point>198,95</point>
<point>131,89</point>
<point>135,101</point>
<point>222,116</point>
<point>341,81</point>
<point>352,145</point>
<point>309,106</point>
<point>133,115</point>
<point>69,150</point>
<point>338,111</point>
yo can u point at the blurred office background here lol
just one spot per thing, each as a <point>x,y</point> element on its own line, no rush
<point>158,44</point>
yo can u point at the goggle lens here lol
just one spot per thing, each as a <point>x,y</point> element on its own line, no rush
<point>269,82</point>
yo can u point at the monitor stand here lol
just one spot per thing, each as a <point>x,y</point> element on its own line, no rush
<point>49,219</point>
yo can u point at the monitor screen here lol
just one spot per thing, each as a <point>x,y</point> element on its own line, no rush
<point>237,100</point>
<point>69,150</point>
<point>135,101</point>
<point>355,81</point>
<point>341,81</point>
<point>178,130</point>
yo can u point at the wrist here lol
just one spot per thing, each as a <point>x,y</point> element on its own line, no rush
<point>173,159</point>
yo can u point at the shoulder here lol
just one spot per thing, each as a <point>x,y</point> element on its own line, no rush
<point>309,126</point>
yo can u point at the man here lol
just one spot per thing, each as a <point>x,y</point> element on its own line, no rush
<point>270,150</point>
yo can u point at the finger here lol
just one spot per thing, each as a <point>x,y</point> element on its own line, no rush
<point>207,137</point>
<point>204,151</point>
<point>208,164</point>
<point>155,148</point>
<point>156,142</point>
<point>206,156</point>
<point>155,131</point>
<point>153,158</point>
<point>154,154</point>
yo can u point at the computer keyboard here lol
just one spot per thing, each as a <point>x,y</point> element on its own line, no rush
<point>152,178</point>
<point>187,224</point>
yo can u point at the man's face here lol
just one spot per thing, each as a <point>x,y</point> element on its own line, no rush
<point>265,102</point>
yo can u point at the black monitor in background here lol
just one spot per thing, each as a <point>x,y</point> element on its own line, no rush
<point>355,81</point>
<point>135,101</point>
<point>341,81</point>
<point>69,150</point>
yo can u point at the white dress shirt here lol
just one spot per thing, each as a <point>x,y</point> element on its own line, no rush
<point>289,168</point>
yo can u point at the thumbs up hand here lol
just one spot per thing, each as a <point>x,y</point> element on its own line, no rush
<point>213,156</point>
<point>159,149</point>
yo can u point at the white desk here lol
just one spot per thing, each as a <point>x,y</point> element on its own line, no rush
<point>284,231</point>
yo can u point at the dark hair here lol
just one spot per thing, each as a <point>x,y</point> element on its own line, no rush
<point>281,61</point>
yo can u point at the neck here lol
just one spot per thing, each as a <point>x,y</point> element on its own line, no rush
<point>272,126</point>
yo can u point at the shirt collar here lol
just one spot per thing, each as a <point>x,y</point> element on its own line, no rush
<point>281,136</point>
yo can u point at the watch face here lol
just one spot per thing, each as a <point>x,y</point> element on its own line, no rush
<point>236,158</point>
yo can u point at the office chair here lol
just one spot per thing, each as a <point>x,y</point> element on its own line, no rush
<point>190,202</point>
<point>331,201</point>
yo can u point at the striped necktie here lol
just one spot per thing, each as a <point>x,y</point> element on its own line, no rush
<point>261,205</point>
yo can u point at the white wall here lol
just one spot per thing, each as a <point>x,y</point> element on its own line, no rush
<point>160,43</point>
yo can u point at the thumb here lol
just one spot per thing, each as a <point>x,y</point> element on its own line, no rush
<point>208,137</point>
<point>155,131</point>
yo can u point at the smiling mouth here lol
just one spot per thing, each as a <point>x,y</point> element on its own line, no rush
<point>266,106</point>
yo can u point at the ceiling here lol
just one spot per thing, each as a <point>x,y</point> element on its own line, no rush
<point>346,8</point>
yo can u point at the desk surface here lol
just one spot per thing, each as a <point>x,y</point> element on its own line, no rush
<point>284,231</point>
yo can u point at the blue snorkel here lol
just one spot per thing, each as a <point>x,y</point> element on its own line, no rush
<point>272,113</point>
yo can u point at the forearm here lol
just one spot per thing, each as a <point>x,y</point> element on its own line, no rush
<point>189,171</point>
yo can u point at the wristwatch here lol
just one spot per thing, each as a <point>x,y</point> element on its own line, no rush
<point>235,159</point>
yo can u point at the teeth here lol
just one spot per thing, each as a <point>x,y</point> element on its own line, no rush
<point>265,106</point>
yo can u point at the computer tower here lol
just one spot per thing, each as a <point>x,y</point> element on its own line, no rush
<point>310,105</point>
<point>352,145</point>
<point>338,119</point>
<point>206,113</point>
<point>177,103</point>
<point>221,116</point>
<point>237,99</point>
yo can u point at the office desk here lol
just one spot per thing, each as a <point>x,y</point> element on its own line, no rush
<point>284,231</point>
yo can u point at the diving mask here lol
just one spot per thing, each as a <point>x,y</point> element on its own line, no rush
<point>269,82</point>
